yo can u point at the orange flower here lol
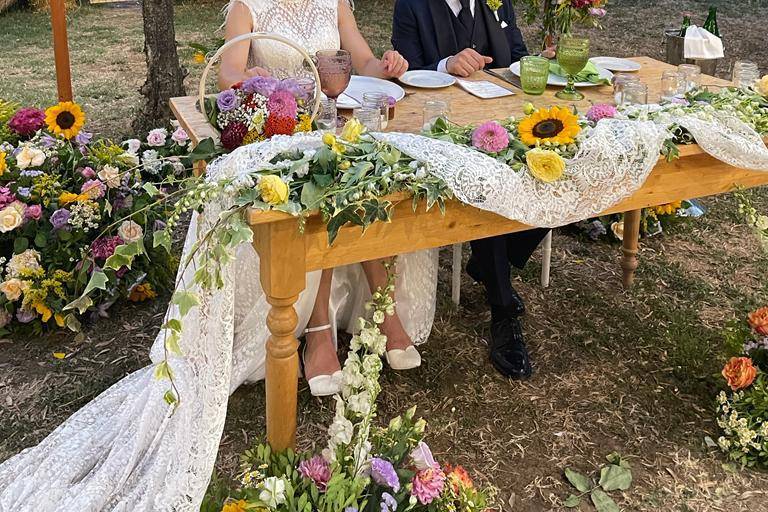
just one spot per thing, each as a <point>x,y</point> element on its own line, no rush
<point>740,373</point>
<point>142,292</point>
<point>758,320</point>
<point>458,478</point>
<point>235,506</point>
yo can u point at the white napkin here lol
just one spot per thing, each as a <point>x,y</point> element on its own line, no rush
<point>702,44</point>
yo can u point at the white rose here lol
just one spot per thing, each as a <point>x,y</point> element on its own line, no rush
<point>157,137</point>
<point>180,136</point>
<point>129,231</point>
<point>134,145</point>
<point>10,218</point>
<point>30,157</point>
<point>273,492</point>
<point>110,175</point>
<point>12,288</point>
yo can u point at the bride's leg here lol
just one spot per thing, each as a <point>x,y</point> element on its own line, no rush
<point>320,354</point>
<point>376,275</point>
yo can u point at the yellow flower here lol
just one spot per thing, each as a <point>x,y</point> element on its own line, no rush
<point>43,310</point>
<point>668,209</point>
<point>68,197</point>
<point>142,292</point>
<point>3,162</point>
<point>352,130</point>
<point>330,140</point>
<point>59,319</point>
<point>199,57</point>
<point>273,190</point>
<point>235,506</point>
<point>545,165</point>
<point>65,119</point>
<point>346,164</point>
<point>556,125</point>
<point>762,86</point>
<point>251,137</point>
<point>305,123</point>
<point>495,5</point>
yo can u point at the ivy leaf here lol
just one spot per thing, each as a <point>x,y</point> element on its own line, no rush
<point>162,239</point>
<point>173,324</point>
<point>170,397</point>
<point>98,281</point>
<point>151,189</point>
<point>163,371</point>
<point>572,501</point>
<point>579,481</point>
<point>81,304</point>
<point>185,300</point>
<point>172,343</point>
<point>615,477</point>
<point>603,502</point>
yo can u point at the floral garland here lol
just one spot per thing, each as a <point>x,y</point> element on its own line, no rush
<point>364,467</point>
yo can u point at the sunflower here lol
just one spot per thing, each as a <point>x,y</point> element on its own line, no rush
<point>556,125</point>
<point>65,119</point>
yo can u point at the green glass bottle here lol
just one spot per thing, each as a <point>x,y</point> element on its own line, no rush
<point>686,24</point>
<point>711,23</point>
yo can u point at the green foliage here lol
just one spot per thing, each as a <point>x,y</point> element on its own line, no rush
<point>614,476</point>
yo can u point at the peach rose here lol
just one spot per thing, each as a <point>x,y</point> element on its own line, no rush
<point>758,320</point>
<point>740,373</point>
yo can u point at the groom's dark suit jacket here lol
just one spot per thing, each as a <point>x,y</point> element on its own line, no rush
<point>424,32</point>
<point>427,31</point>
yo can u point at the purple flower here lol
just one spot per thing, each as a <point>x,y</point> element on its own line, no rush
<point>121,202</point>
<point>597,11</point>
<point>180,136</point>
<point>158,225</point>
<point>94,188</point>
<point>264,85</point>
<point>26,121</point>
<point>34,212</point>
<point>490,137</point>
<point>25,316</point>
<point>157,137</point>
<point>383,473</point>
<point>83,138</point>
<point>31,173</point>
<point>47,141</point>
<point>24,191</point>
<point>227,100</point>
<point>291,86</point>
<point>282,104</point>
<point>318,470</point>
<point>388,503</point>
<point>104,247</point>
<point>422,457</point>
<point>601,111</point>
<point>6,197</point>
<point>87,172</point>
<point>59,218</point>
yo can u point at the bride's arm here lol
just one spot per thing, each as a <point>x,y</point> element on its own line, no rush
<point>234,62</point>
<point>391,65</point>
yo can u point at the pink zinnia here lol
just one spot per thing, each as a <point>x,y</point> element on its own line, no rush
<point>428,484</point>
<point>27,121</point>
<point>318,470</point>
<point>490,137</point>
<point>601,111</point>
<point>103,248</point>
<point>95,189</point>
<point>282,104</point>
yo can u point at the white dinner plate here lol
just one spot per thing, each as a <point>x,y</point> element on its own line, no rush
<point>615,64</point>
<point>359,85</point>
<point>426,79</point>
<point>562,81</point>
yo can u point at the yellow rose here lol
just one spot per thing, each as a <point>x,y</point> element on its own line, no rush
<point>273,190</point>
<point>545,165</point>
<point>3,162</point>
<point>352,130</point>
<point>13,288</point>
<point>110,175</point>
<point>762,86</point>
<point>330,140</point>
<point>10,218</point>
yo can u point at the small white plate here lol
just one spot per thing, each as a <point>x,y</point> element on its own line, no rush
<point>352,97</point>
<point>615,64</point>
<point>426,79</point>
<point>560,81</point>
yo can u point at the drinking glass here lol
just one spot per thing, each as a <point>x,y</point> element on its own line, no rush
<point>635,94</point>
<point>572,55</point>
<point>378,100</point>
<point>308,87</point>
<point>335,70</point>
<point>620,80</point>
<point>326,116</point>
<point>692,75</point>
<point>534,74</point>
<point>434,110</point>
<point>745,74</point>
<point>369,117</point>
<point>672,85</point>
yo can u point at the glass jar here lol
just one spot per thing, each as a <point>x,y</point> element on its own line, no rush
<point>380,101</point>
<point>369,117</point>
<point>620,80</point>
<point>434,110</point>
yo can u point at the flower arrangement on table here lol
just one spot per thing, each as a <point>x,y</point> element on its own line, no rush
<point>259,108</point>
<point>558,16</point>
<point>742,410</point>
<point>68,203</point>
<point>364,467</point>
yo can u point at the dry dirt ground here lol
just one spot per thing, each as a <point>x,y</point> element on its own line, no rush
<point>633,372</point>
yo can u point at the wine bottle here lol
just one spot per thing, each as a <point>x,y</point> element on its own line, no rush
<point>711,24</point>
<point>686,24</point>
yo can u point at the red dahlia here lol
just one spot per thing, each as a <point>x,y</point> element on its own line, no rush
<point>233,135</point>
<point>279,126</point>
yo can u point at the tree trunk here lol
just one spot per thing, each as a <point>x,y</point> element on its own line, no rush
<point>165,76</point>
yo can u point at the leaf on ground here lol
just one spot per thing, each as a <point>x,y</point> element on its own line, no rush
<point>615,477</point>
<point>572,501</point>
<point>603,502</point>
<point>578,480</point>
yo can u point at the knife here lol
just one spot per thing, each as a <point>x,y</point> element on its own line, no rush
<point>514,81</point>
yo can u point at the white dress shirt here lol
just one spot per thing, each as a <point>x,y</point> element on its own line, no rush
<point>455,6</point>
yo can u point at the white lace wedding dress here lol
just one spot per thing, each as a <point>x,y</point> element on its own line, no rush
<point>128,450</point>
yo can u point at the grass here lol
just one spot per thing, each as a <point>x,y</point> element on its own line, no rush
<point>628,371</point>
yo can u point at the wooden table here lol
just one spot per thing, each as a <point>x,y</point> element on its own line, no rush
<point>287,255</point>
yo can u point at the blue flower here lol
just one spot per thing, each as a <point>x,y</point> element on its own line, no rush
<point>23,191</point>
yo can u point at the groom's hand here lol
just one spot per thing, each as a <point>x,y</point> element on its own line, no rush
<point>466,62</point>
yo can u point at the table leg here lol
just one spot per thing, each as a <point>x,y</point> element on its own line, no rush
<point>281,252</point>
<point>630,246</point>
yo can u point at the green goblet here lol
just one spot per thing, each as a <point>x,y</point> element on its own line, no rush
<point>572,55</point>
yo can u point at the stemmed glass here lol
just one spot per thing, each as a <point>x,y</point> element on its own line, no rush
<point>572,55</point>
<point>335,70</point>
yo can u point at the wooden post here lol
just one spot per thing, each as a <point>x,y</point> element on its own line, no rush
<point>630,246</point>
<point>61,50</point>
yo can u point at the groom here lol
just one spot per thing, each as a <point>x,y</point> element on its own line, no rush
<point>461,37</point>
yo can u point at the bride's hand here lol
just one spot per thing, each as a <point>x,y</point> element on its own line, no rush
<point>256,71</point>
<point>393,64</point>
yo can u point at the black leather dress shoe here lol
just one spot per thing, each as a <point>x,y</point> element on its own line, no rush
<point>516,308</point>
<point>509,354</point>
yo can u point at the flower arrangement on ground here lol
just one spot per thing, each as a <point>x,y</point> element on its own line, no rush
<point>364,467</point>
<point>69,203</point>
<point>742,409</point>
<point>259,108</point>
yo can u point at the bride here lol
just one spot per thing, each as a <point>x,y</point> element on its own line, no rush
<point>129,450</point>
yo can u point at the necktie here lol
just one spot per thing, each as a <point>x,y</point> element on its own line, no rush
<point>465,16</point>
